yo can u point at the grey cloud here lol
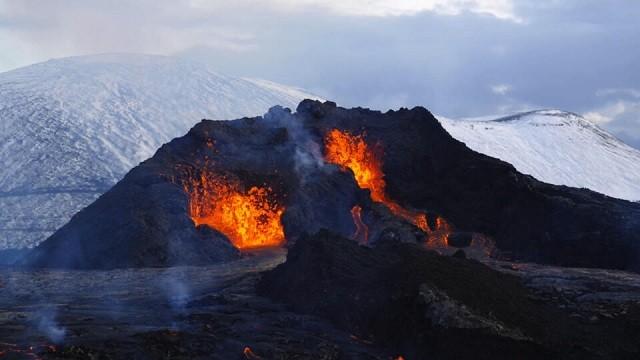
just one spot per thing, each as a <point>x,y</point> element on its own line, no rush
<point>628,92</point>
<point>621,117</point>
<point>562,55</point>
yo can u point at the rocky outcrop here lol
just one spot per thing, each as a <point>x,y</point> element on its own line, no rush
<point>422,305</point>
<point>144,219</point>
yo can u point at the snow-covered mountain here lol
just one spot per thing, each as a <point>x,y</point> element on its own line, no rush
<point>556,147</point>
<point>70,128</point>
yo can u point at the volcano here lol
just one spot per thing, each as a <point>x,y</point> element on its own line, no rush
<point>228,187</point>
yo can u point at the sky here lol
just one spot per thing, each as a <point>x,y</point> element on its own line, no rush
<point>458,58</point>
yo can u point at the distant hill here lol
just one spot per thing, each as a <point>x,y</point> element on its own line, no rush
<point>556,147</point>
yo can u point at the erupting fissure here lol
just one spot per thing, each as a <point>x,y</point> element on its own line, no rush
<point>249,218</point>
<point>351,151</point>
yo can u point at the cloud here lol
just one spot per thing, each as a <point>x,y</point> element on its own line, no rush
<point>501,89</point>
<point>459,58</point>
<point>501,9</point>
<point>598,117</point>
<point>611,111</point>
<point>65,28</point>
<point>621,117</point>
<point>630,92</point>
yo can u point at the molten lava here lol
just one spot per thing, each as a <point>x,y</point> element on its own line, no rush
<point>361,234</point>
<point>352,152</point>
<point>249,218</point>
<point>439,235</point>
<point>249,354</point>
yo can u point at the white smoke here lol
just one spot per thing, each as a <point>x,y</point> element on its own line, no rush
<point>48,326</point>
<point>308,154</point>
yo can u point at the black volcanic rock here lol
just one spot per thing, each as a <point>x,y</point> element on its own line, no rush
<point>143,220</point>
<point>422,305</point>
<point>460,239</point>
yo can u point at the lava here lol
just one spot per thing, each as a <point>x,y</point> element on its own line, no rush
<point>249,354</point>
<point>362,230</point>
<point>352,152</point>
<point>439,235</point>
<point>249,218</point>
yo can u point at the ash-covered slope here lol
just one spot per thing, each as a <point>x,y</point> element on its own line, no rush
<point>140,220</point>
<point>556,147</point>
<point>71,128</point>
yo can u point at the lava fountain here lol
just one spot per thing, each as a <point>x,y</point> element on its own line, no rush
<point>249,218</point>
<point>352,152</point>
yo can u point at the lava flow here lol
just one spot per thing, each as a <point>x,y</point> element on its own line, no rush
<point>361,234</point>
<point>352,151</point>
<point>249,354</point>
<point>249,218</point>
<point>439,235</point>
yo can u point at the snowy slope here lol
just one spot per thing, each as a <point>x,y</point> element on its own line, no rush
<point>70,128</point>
<point>556,147</point>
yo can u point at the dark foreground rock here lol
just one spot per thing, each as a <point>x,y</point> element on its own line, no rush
<point>144,220</point>
<point>213,312</point>
<point>422,305</point>
<point>460,239</point>
<point>181,313</point>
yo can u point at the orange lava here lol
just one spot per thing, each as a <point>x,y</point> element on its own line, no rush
<point>249,218</point>
<point>439,235</point>
<point>351,151</point>
<point>249,354</point>
<point>362,230</point>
